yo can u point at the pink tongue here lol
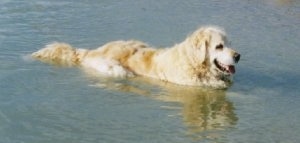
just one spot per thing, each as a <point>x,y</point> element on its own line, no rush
<point>231,69</point>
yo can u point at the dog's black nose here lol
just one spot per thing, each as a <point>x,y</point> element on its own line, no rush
<point>236,57</point>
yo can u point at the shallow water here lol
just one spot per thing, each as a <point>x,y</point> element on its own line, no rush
<point>42,103</point>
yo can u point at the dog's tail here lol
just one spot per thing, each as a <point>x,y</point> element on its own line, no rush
<point>61,54</point>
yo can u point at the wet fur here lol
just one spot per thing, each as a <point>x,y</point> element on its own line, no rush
<point>186,63</point>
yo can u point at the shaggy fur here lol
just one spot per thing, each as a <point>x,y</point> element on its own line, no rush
<point>202,59</point>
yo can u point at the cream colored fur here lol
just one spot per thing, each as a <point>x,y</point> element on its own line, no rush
<point>188,63</point>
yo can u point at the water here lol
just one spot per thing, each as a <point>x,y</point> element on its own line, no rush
<point>42,103</point>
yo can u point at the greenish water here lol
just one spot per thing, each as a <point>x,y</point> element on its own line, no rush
<point>42,103</point>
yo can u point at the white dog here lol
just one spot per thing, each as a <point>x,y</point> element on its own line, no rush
<point>202,59</point>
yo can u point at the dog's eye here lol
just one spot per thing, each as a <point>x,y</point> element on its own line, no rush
<point>219,47</point>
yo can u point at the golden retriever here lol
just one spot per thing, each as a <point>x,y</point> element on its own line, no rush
<point>202,59</point>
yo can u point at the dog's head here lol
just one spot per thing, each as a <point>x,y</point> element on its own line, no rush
<point>212,50</point>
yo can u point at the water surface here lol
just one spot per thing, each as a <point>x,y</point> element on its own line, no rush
<point>42,103</point>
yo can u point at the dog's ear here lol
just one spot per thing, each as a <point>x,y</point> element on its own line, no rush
<point>200,42</point>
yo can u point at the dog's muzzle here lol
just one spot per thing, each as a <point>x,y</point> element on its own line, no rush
<point>236,57</point>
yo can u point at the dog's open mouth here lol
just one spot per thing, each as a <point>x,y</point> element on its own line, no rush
<point>230,69</point>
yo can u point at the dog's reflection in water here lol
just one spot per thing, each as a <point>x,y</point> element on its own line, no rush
<point>204,111</point>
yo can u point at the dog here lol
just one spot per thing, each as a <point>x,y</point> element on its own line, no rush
<point>202,59</point>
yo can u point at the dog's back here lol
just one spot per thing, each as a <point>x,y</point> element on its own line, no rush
<point>117,58</point>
